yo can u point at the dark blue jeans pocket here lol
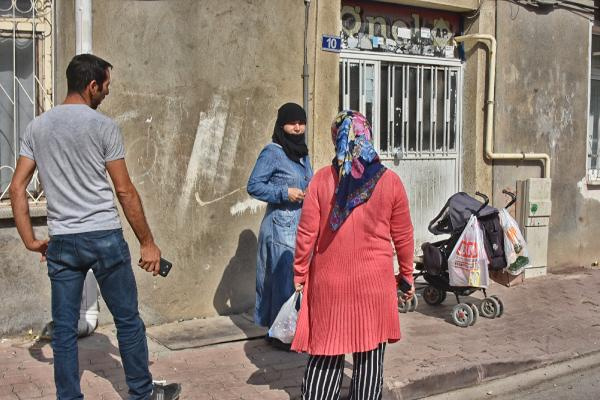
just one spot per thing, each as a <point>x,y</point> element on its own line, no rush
<point>53,256</point>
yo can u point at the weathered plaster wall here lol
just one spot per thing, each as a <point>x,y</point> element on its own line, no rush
<point>542,88</point>
<point>24,282</point>
<point>477,171</point>
<point>326,82</point>
<point>195,89</point>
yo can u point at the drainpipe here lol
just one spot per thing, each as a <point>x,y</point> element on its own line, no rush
<point>88,310</point>
<point>490,42</point>
<point>305,74</point>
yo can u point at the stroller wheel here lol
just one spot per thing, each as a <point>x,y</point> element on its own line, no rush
<point>475,313</point>
<point>462,315</point>
<point>433,296</point>
<point>501,304</point>
<point>489,307</point>
<point>414,302</point>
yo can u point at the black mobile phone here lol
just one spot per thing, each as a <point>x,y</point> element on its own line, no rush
<point>404,286</point>
<point>165,267</point>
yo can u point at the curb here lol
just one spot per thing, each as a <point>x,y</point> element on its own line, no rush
<point>469,376</point>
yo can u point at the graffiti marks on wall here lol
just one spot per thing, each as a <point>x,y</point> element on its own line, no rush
<point>206,150</point>
<point>250,204</point>
<point>397,29</point>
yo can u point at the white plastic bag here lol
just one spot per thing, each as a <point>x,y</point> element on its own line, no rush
<point>515,247</point>
<point>467,264</point>
<point>284,326</point>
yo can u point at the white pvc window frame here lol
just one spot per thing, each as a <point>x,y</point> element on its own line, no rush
<point>593,128</point>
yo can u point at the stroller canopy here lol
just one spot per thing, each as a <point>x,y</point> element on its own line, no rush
<point>456,213</point>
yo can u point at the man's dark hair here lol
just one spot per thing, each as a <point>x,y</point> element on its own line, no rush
<point>83,69</point>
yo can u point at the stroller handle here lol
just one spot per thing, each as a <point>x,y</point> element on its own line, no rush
<point>486,201</point>
<point>513,198</point>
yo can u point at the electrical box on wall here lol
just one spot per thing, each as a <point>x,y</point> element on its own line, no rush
<point>534,208</point>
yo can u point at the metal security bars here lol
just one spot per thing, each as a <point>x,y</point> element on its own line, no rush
<point>414,105</point>
<point>593,145</point>
<point>414,109</point>
<point>26,75</point>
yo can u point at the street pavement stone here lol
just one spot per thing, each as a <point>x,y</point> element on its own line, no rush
<point>546,319</point>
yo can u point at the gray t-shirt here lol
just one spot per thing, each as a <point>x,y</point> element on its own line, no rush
<point>71,144</point>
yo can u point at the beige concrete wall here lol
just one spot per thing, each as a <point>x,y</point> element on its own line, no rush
<point>448,5</point>
<point>477,171</point>
<point>542,89</point>
<point>196,86</point>
<point>24,282</point>
<point>326,82</point>
<point>197,101</point>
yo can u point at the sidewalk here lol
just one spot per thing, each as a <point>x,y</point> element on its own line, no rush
<point>549,319</point>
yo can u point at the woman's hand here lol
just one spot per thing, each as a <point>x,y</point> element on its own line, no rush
<point>295,195</point>
<point>407,296</point>
<point>299,287</point>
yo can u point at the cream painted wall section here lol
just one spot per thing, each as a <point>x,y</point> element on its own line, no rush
<point>325,80</point>
<point>477,171</point>
<point>448,5</point>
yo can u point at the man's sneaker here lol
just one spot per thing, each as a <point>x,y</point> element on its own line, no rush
<point>166,392</point>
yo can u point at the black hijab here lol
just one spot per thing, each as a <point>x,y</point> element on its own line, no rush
<point>294,146</point>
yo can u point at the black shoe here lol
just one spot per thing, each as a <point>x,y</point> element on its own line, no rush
<point>166,392</point>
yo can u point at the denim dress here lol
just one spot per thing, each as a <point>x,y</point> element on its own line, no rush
<point>273,174</point>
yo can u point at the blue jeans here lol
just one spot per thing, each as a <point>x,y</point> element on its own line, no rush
<point>107,254</point>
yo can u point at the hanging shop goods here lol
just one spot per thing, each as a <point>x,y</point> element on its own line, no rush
<point>398,29</point>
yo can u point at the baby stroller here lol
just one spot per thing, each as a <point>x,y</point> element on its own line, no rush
<point>433,265</point>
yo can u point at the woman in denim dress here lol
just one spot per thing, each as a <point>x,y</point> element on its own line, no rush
<point>280,177</point>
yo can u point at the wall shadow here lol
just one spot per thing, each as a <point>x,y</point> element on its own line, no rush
<point>97,355</point>
<point>236,291</point>
<point>284,370</point>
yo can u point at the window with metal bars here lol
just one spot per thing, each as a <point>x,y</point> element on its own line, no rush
<point>26,74</point>
<point>414,108</point>
<point>593,145</point>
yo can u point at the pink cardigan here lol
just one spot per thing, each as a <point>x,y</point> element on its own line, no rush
<point>350,301</point>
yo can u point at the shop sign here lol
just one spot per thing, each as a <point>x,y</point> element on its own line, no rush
<point>391,28</point>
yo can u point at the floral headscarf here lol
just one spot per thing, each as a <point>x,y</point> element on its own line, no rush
<point>357,164</point>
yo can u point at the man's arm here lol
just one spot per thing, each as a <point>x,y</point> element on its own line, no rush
<point>134,212</point>
<point>20,206</point>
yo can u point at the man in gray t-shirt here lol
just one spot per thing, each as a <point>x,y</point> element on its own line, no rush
<point>71,144</point>
<point>74,148</point>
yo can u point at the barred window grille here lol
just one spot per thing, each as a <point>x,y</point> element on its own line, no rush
<point>26,76</point>
<point>593,145</point>
<point>413,108</point>
<point>414,105</point>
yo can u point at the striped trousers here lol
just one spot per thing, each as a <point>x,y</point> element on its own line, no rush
<point>323,376</point>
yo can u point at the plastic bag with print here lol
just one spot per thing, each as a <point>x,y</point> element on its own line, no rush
<point>467,264</point>
<point>515,248</point>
